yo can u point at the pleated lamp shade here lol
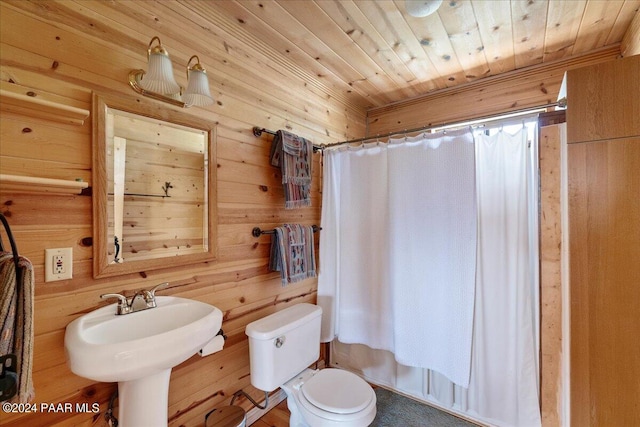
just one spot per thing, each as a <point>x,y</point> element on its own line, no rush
<point>159,76</point>
<point>197,92</point>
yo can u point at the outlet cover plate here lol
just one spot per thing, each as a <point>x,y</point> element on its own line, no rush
<point>58,264</point>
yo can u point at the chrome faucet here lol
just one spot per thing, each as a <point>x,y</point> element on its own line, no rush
<point>141,300</point>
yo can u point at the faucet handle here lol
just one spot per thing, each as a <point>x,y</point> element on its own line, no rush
<point>123,302</point>
<point>122,299</point>
<point>157,288</point>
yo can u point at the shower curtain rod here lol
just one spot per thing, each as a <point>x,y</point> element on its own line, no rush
<point>562,102</point>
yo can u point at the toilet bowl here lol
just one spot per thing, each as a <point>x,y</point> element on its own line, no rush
<point>329,398</point>
<point>281,348</point>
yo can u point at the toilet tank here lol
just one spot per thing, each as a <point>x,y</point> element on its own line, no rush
<point>283,344</point>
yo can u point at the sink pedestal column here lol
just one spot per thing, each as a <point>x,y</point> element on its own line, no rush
<point>144,402</point>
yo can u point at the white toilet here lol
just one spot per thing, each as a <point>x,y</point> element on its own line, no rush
<point>281,347</point>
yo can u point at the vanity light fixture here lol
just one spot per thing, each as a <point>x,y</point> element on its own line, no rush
<point>159,83</point>
<point>198,88</point>
<point>159,77</point>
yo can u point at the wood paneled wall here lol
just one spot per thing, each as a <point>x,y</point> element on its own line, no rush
<point>67,50</point>
<point>551,285</point>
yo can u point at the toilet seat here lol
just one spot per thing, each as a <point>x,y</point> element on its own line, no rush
<point>359,413</point>
<point>337,391</point>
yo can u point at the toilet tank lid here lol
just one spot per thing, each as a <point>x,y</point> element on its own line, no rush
<point>278,323</point>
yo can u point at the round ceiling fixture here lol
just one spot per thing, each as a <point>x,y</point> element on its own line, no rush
<point>421,8</point>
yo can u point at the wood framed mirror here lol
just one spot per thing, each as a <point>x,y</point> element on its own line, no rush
<point>154,187</point>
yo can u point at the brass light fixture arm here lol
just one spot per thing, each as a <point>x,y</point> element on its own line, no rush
<point>134,81</point>
<point>151,42</point>
<point>196,66</point>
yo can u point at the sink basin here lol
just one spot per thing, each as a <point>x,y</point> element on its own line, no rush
<point>138,350</point>
<point>103,346</point>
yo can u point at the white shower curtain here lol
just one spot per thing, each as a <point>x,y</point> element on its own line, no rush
<point>414,229</point>
<point>354,227</point>
<point>503,387</point>
<point>432,250</point>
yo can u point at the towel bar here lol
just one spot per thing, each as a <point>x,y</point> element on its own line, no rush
<point>258,131</point>
<point>257,232</point>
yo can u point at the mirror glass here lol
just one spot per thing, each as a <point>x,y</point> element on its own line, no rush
<point>154,192</point>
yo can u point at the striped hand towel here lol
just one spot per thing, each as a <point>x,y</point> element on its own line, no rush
<point>292,154</point>
<point>16,320</point>
<point>293,253</point>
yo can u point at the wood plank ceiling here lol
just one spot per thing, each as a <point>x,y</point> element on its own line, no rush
<point>372,53</point>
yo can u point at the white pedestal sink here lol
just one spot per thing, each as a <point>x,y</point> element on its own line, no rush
<point>138,351</point>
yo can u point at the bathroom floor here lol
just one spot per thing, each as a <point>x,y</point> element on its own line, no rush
<point>396,408</point>
<point>277,417</point>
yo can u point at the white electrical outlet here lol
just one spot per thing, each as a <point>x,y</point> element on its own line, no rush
<point>58,264</point>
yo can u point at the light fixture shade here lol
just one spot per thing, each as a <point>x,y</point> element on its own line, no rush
<point>197,92</point>
<point>159,77</point>
<point>421,8</point>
